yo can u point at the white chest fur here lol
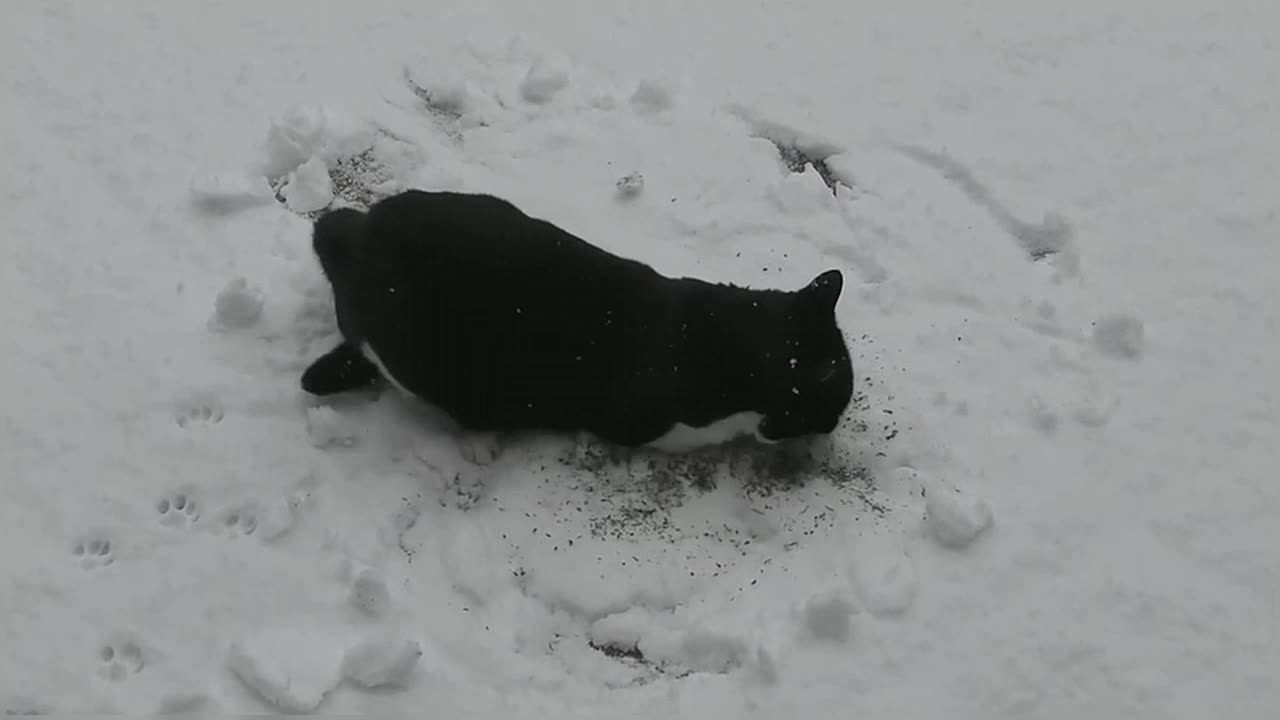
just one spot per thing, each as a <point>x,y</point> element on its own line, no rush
<point>683,438</point>
<point>372,357</point>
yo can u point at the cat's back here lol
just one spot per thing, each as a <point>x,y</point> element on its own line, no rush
<point>459,239</point>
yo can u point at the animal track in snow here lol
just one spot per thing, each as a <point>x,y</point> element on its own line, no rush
<point>199,409</point>
<point>241,521</point>
<point>797,149</point>
<point>1051,236</point>
<point>120,659</point>
<point>94,550</point>
<point>178,510</point>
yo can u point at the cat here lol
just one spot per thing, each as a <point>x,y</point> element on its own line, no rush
<point>507,323</point>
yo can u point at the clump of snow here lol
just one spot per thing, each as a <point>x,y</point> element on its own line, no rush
<point>1119,335</point>
<point>308,188</point>
<point>623,629</point>
<point>544,80</point>
<point>650,96</point>
<point>664,640</point>
<point>327,427</point>
<point>238,305</point>
<point>293,670</point>
<point>299,134</point>
<point>380,663</point>
<point>955,519</point>
<point>829,615</point>
<point>369,593</point>
<point>630,185</point>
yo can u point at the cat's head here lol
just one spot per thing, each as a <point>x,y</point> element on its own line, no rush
<point>807,377</point>
<point>334,238</point>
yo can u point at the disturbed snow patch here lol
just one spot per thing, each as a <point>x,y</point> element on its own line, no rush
<point>797,149</point>
<point>317,159</point>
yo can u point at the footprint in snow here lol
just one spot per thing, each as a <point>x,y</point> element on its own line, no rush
<point>178,510</point>
<point>241,520</point>
<point>201,409</point>
<point>120,659</point>
<point>93,550</point>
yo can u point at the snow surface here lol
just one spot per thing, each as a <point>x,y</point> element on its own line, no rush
<point>1056,496</point>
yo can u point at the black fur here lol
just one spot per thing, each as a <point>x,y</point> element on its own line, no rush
<point>507,322</point>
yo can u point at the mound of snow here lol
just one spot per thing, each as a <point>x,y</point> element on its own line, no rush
<point>293,670</point>
<point>309,188</point>
<point>829,615</point>
<point>295,137</point>
<point>543,81</point>
<point>664,640</point>
<point>381,662</point>
<point>955,519</point>
<point>238,305</point>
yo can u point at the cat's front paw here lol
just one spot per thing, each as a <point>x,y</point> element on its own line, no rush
<point>479,448</point>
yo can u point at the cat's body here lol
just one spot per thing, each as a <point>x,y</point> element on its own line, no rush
<point>509,323</point>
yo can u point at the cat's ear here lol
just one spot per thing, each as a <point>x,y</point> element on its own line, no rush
<point>822,293</point>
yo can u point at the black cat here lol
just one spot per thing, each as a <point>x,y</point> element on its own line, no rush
<point>509,323</point>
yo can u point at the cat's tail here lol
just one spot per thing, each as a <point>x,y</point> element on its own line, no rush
<point>334,237</point>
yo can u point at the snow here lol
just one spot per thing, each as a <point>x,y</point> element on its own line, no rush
<point>1119,335</point>
<point>630,185</point>
<point>308,188</point>
<point>829,616</point>
<point>381,663</point>
<point>543,81</point>
<point>1055,496</point>
<point>238,305</point>
<point>954,518</point>
<point>683,438</point>
<point>293,670</point>
<point>369,593</point>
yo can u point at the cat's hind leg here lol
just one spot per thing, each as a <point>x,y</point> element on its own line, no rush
<point>340,370</point>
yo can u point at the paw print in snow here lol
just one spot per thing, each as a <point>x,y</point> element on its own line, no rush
<point>241,521</point>
<point>178,510</point>
<point>93,551</point>
<point>120,659</point>
<point>199,409</point>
